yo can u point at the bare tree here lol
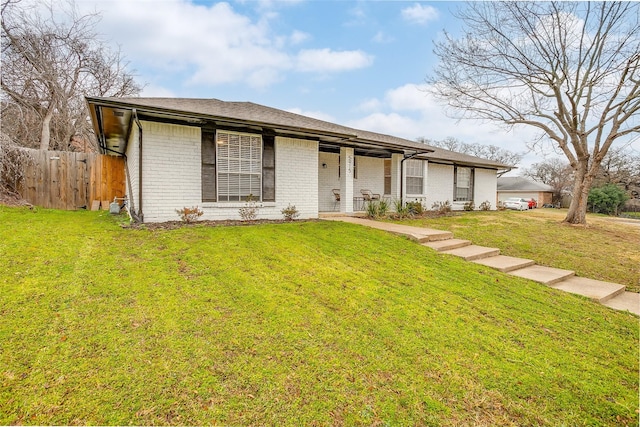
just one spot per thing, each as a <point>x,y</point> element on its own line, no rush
<point>51,58</point>
<point>620,166</point>
<point>554,172</point>
<point>568,69</point>
<point>489,152</point>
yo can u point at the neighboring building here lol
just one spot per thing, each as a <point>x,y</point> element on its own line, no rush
<point>213,154</point>
<point>527,189</point>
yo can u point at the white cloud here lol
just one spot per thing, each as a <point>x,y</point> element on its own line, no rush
<point>420,14</point>
<point>410,112</point>
<point>152,90</point>
<point>213,44</point>
<point>388,123</point>
<point>327,60</point>
<point>382,38</point>
<point>410,97</point>
<point>298,37</point>
<point>371,104</point>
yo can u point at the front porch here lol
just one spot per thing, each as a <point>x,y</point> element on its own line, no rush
<point>343,174</point>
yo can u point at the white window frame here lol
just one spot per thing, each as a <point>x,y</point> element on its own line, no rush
<point>466,184</point>
<point>414,169</point>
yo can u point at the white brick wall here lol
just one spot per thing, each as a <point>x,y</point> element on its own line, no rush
<point>172,177</point>
<point>296,177</point>
<point>439,184</point>
<point>170,170</point>
<point>327,180</point>
<point>485,187</point>
<point>370,175</point>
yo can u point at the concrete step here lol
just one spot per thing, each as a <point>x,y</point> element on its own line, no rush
<point>505,263</point>
<point>446,245</point>
<point>625,301</point>
<point>472,252</point>
<point>424,235</point>
<point>542,274</point>
<point>418,234</point>
<point>595,289</point>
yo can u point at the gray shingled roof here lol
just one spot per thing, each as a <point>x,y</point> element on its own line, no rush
<point>256,114</point>
<point>518,183</point>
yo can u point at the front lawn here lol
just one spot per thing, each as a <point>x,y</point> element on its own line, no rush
<point>305,323</point>
<point>604,250</point>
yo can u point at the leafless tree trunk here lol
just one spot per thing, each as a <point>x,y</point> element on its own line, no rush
<point>569,69</point>
<point>49,65</point>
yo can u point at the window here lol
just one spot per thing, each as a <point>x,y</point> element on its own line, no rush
<point>355,167</point>
<point>415,176</point>
<point>387,176</point>
<point>239,162</point>
<point>235,165</point>
<point>463,183</point>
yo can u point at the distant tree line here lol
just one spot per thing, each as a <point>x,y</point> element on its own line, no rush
<point>484,151</point>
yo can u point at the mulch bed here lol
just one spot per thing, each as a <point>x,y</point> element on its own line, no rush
<point>172,225</point>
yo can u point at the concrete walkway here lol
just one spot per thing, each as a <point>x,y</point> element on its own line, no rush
<point>610,294</point>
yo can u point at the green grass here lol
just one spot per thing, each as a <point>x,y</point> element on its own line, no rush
<point>316,323</point>
<point>604,250</point>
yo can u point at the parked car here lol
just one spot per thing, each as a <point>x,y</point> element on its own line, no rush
<point>533,204</point>
<point>516,203</point>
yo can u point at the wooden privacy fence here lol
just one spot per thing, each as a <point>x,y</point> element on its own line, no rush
<point>67,180</point>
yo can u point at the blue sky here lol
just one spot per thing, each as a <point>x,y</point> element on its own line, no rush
<point>356,63</point>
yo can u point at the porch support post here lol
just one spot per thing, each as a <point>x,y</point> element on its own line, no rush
<point>346,179</point>
<point>396,162</point>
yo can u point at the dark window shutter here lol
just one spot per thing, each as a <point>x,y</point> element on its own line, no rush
<point>268,169</point>
<point>208,152</point>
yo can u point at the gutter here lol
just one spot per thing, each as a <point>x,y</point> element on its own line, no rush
<point>140,215</point>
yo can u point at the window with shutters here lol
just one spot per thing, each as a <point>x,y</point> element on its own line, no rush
<point>463,182</point>
<point>236,165</point>
<point>415,176</point>
<point>239,162</point>
<point>387,176</point>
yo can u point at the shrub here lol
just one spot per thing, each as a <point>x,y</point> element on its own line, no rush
<point>415,208</point>
<point>442,208</point>
<point>469,206</point>
<point>290,212</point>
<point>250,211</point>
<point>608,199</point>
<point>377,208</point>
<point>402,210</point>
<point>485,206</point>
<point>372,209</point>
<point>189,215</point>
<point>383,207</point>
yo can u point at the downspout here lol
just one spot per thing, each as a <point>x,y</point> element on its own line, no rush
<point>405,157</point>
<point>140,215</point>
<point>131,209</point>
